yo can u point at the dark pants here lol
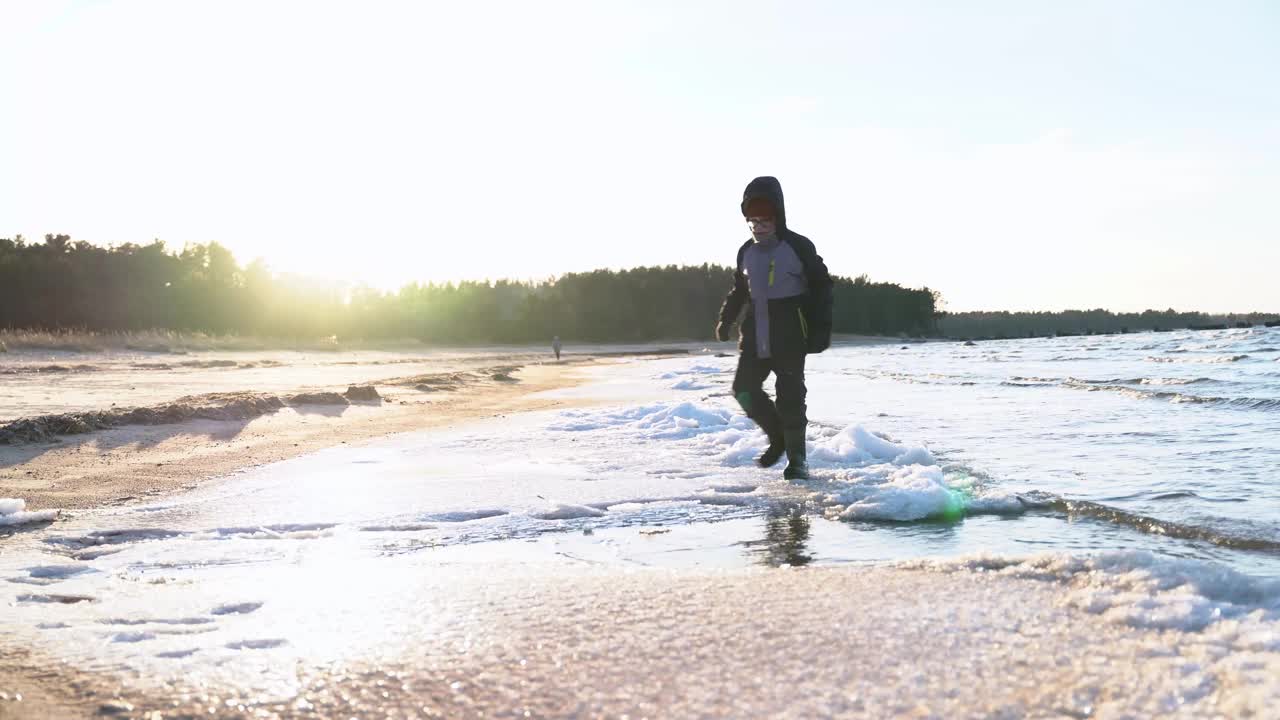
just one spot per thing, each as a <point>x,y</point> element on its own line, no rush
<point>748,388</point>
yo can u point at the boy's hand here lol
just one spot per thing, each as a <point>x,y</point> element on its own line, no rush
<point>722,332</point>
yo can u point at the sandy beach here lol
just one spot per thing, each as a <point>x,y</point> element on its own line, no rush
<point>821,642</point>
<point>250,617</point>
<point>134,462</point>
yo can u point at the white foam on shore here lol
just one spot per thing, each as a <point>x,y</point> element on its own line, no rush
<point>692,370</point>
<point>857,474</point>
<point>566,511</point>
<point>1215,360</point>
<point>661,421</point>
<point>290,531</point>
<point>855,444</point>
<point>910,493</point>
<point>1143,590</point>
<point>694,377</point>
<point>13,512</point>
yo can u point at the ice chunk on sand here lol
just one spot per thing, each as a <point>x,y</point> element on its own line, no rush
<point>13,512</point>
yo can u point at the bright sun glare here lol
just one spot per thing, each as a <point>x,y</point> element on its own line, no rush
<point>404,142</point>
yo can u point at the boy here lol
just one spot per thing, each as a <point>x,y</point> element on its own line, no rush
<point>787,290</point>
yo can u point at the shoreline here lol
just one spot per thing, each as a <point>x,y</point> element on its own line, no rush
<point>142,463</point>
<point>542,629</point>
<point>135,463</point>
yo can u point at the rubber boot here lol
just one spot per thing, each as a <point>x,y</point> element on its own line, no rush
<point>797,466</point>
<point>765,414</point>
<point>771,456</point>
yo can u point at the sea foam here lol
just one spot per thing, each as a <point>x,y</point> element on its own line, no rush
<point>1143,590</point>
<point>857,474</point>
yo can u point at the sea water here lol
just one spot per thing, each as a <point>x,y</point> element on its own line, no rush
<point>1149,458</point>
<point>1168,442</point>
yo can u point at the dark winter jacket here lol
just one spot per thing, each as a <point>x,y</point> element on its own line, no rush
<point>785,286</point>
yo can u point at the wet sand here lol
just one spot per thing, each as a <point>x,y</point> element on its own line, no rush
<point>795,643</point>
<point>140,463</point>
<point>137,462</point>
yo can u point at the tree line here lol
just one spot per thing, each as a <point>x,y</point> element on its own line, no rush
<point>1084,322</point>
<point>61,284</point>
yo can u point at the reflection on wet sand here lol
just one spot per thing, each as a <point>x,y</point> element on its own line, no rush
<point>786,537</point>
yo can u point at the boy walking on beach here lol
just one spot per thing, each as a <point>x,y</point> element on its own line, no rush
<point>786,289</point>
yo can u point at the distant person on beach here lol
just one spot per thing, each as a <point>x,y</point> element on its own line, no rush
<point>555,345</point>
<point>786,289</point>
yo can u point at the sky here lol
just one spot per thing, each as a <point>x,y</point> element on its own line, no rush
<point>1014,155</point>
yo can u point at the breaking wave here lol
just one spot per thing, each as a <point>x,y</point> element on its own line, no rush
<point>1087,509</point>
<point>1214,360</point>
<point>1132,388</point>
<point>1242,403</point>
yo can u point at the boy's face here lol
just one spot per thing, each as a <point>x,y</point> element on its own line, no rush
<point>762,226</point>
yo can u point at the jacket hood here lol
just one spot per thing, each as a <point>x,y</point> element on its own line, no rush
<point>770,189</point>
